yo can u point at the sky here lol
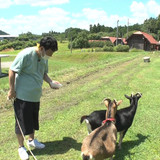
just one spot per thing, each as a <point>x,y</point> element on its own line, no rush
<point>42,16</point>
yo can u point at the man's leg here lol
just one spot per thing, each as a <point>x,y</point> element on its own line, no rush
<point>34,142</point>
<point>20,140</point>
<point>31,137</point>
<point>22,150</point>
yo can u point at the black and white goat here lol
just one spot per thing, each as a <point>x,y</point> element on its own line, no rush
<point>124,117</point>
<point>101,143</point>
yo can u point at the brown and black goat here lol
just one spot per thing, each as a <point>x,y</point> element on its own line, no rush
<point>124,117</point>
<point>101,143</point>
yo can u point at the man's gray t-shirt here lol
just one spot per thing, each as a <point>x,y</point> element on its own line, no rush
<point>30,72</point>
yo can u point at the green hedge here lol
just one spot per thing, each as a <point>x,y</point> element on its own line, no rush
<point>16,45</point>
<point>108,48</point>
<point>100,44</point>
<point>121,48</point>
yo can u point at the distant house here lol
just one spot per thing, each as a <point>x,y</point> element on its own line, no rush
<point>142,40</point>
<point>114,39</point>
<point>4,35</point>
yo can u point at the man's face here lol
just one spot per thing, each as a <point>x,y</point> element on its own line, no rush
<point>49,52</point>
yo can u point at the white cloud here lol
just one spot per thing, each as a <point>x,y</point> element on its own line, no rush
<point>49,19</point>
<point>5,3</point>
<point>153,8</point>
<point>94,16</point>
<point>141,11</point>
<point>58,20</point>
<point>41,2</point>
<point>8,3</point>
<point>53,12</point>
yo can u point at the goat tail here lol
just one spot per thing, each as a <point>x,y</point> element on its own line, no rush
<point>83,118</point>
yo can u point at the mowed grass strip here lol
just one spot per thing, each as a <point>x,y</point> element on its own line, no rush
<point>85,84</point>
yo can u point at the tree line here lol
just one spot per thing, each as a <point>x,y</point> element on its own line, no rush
<point>78,38</point>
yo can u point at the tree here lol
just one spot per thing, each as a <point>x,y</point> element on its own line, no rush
<point>94,36</point>
<point>158,23</point>
<point>81,41</point>
<point>150,26</point>
<point>71,33</point>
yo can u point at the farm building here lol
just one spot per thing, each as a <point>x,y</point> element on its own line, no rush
<point>114,39</point>
<point>4,35</point>
<point>142,40</point>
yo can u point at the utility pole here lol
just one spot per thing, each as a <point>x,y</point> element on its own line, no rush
<point>71,44</point>
<point>117,33</point>
<point>70,39</point>
<point>127,27</point>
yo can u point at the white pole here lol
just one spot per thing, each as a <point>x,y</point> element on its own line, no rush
<point>117,33</point>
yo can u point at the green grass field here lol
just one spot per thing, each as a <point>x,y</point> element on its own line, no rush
<point>87,79</point>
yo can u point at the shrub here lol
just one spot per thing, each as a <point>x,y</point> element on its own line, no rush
<point>109,43</point>
<point>121,48</point>
<point>108,48</point>
<point>17,44</point>
<point>96,44</point>
<point>81,41</point>
<point>94,36</point>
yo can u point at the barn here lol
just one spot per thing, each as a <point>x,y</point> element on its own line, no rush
<point>142,40</point>
<point>4,35</point>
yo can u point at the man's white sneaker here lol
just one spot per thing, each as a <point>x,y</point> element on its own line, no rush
<point>34,143</point>
<point>23,153</point>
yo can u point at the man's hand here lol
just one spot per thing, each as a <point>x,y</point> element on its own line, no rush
<point>11,94</point>
<point>55,85</point>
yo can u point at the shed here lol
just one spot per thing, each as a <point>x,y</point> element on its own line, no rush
<point>4,35</point>
<point>142,40</point>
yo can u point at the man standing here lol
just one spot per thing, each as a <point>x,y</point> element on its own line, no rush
<point>26,76</point>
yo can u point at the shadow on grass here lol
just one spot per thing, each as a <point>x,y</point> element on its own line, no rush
<point>126,146</point>
<point>58,147</point>
<point>3,75</point>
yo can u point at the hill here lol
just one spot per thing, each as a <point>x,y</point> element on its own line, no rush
<point>3,33</point>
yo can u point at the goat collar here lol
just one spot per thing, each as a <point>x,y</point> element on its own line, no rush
<point>109,119</point>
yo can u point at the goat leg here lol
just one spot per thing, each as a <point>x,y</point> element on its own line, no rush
<point>122,134</point>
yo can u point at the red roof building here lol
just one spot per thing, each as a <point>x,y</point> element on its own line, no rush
<point>142,40</point>
<point>114,39</point>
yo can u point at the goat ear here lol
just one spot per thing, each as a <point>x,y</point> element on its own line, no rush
<point>119,102</point>
<point>106,101</point>
<point>128,97</point>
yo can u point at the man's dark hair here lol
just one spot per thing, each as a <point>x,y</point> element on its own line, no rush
<point>49,43</point>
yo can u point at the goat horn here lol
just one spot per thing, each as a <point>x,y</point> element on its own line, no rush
<point>115,101</point>
<point>106,101</point>
<point>140,94</point>
<point>132,94</point>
